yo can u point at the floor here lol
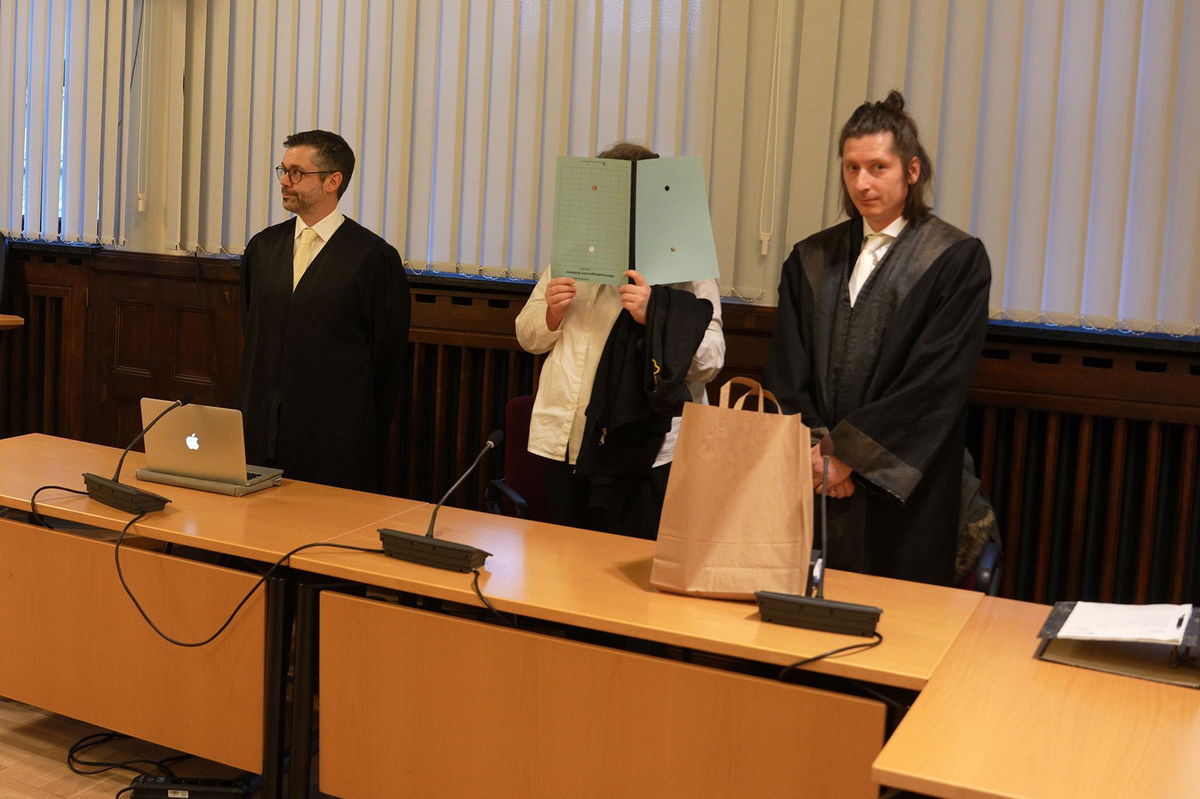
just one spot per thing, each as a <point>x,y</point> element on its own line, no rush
<point>33,757</point>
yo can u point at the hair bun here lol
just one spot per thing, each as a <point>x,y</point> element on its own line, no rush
<point>894,101</point>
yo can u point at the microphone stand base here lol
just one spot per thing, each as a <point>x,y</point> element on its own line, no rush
<point>811,613</point>
<point>121,496</point>
<point>429,551</point>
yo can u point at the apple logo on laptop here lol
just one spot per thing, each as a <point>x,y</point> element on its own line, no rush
<point>192,441</point>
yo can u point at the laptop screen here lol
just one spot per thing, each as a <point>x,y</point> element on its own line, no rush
<point>198,441</point>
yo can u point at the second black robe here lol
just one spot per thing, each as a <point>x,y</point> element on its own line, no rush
<point>887,379</point>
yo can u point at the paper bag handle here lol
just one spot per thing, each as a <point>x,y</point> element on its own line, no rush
<point>754,388</point>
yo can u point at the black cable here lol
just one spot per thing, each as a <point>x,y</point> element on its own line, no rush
<point>475,585</point>
<point>887,700</point>
<point>237,608</point>
<point>36,517</point>
<point>88,742</point>
<point>860,647</point>
<point>92,767</point>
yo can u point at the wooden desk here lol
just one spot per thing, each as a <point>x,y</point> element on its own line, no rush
<point>7,321</point>
<point>71,641</point>
<point>995,722</point>
<point>602,582</point>
<point>548,716</point>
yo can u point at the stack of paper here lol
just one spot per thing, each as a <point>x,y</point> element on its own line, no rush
<point>1154,642</point>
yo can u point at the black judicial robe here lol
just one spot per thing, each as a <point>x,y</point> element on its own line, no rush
<point>322,366</point>
<point>888,379</point>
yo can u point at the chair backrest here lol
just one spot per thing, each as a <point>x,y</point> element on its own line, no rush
<point>524,472</point>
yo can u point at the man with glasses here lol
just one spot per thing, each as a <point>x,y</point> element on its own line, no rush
<point>325,315</point>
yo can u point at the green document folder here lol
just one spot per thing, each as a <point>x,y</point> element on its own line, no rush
<point>611,215</point>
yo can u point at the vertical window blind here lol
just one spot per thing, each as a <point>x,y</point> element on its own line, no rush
<point>1059,129</point>
<point>61,75</point>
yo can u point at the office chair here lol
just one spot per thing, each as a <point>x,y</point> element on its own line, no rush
<point>978,560</point>
<point>988,568</point>
<point>521,491</point>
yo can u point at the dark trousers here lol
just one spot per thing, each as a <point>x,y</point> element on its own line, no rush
<point>626,505</point>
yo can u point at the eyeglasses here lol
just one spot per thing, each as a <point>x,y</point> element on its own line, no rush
<point>295,174</point>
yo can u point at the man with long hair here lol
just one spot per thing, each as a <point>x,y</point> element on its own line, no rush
<point>880,328</point>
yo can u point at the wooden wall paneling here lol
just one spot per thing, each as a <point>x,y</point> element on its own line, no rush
<point>1011,525</point>
<point>45,356</point>
<point>1045,529</point>
<point>442,418</point>
<point>1186,489</point>
<point>494,390</point>
<point>748,331</point>
<point>1149,512</point>
<point>50,322</point>
<point>468,408</point>
<point>1087,379</point>
<point>987,451</point>
<point>1114,500</point>
<point>399,443</point>
<point>467,355</point>
<point>159,326</point>
<point>416,478</point>
<point>499,375</point>
<point>1079,496</point>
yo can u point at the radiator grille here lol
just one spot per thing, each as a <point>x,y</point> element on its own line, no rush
<point>1090,507</point>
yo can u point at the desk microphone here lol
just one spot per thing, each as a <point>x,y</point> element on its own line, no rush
<point>819,613</point>
<point>429,551</point>
<point>114,493</point>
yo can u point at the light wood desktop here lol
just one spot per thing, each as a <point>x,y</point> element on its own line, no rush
<point>8,322</point>
<point>260,526</point>
<point>996,722</point>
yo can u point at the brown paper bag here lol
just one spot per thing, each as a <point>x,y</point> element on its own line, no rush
<point>737,517</point>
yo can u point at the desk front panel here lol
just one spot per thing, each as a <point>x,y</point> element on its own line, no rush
<point>425,705</point>
<point>994,721</point>
<point>72,642</point>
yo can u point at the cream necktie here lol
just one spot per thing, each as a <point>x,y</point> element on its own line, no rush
<point>867,261</point>
<point>303,256</point>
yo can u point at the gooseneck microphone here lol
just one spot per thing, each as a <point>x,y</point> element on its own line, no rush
<point>819,613</point>
<point>493,441</point>
<point>429,551</point>
<point>114,493</point>
<point>826,450</point>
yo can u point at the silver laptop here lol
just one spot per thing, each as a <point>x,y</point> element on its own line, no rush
<point>202,447</point>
